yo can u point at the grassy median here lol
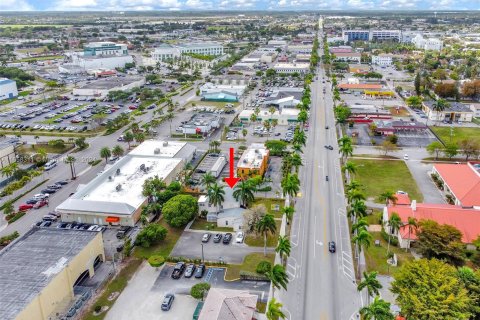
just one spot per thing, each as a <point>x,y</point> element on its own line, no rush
<point>249,264</point>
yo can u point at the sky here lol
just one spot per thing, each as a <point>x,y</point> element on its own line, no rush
<point>173,5</point>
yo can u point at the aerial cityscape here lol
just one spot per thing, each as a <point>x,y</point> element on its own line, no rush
<point>239,160</point>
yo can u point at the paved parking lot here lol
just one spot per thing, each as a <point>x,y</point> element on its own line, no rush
<point>143,296</point>
<point>190,246</point>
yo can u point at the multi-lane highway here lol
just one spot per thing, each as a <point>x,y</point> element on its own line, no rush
<point>321,284</point>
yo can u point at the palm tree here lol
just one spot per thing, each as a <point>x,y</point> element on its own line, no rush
<point>283,248</point>
<point>297,148</point>
<point>379,309</point>
<point>216,196</point>
<point>169,116</point>
<point>388,196</point>
<point>345,148</point>
<point>412,224</point>
<point>71,161</point>
<point>128,137</point>
<point>296,161</point>
<point>357,209</point>
<point>274,310</point>
<point>394,223</point>
<point>289,212</point>
<point>439,106</point>
<point>290,185</point>
<point>244,192</point>
<point>214,145</point>
<point>117,151</point>
<point>360,225</point>
<point>208,179</point>
<point>105,153</point>
<point>265,226</point>
<point>371,283</point>
<point>299,137</point>
<point>278,276</point>
<point>362,239</point>
<point>7,171</point>
<point>354,195</point>
<point>353,185</point>
<point>350,168</point>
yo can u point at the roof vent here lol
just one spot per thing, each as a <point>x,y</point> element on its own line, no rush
<point>110,178</point>
<point>118,171</point>
<point>165,143</point>
<point>142,167</point>
<point>118,187</point>
<point>156,151</point>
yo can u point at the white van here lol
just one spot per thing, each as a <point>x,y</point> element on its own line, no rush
<point>50,164</point>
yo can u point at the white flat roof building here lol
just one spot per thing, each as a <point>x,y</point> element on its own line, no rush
<point>382,60</point>
<point>427,44</point>
<point>291,67</point>
<point>165,51</point>
<point>8,89</point>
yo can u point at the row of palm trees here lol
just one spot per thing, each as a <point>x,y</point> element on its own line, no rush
<point>106,152</point>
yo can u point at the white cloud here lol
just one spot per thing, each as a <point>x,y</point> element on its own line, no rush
<point>198,4</point>
<point>15,5</point>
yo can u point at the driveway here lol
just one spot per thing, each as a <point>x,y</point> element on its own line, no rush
<point>190,246</point>
<point>421,173</point>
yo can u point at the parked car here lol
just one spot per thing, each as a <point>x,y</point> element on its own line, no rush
<point>54,186</point>
<point>227,238</point>
<point>240,237</point>
<point>62,182</point>
<point>49,217</point>
<point>405,157</point>
<point>189,270</point>
<point>329,147</point>
<point>178,270</point>
<point>48,190</point>
<point>123,232</point>
<point>217,238</point>
<point>31,201</point>
<point>332,247</point>
<point>167,301</point>
<point>40,196</point>
<point>40,204</point>
<point>200,271</point>
<point>25,207</point>
<point>206,237</point>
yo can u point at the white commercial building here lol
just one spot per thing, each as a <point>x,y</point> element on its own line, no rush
<point>115,197</point>
<point>8,89</point>
<point>382,60</point>
<point>284,117</point>
<point>301,68</point>
<point>101,87</point>
<point>300,48</point>
<point>105,49</point>
<point>382,35</point>
<point>166,52</point>
<point>427,44</point>
<point>348,57</point>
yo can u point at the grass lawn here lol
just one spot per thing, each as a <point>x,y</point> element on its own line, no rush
<point>165,247</point>
<point>459,134</point>
<point>116,285</point>
<point>376,257</point>
<point>202,224</point>
<point>271,204</point>
<point>374,218</point>
<point>389,175</point>
<point>255,240</point>
<point>32,149</point>
<point>261,306</point>
<point>401,112</point>
<point>249,264</point>
<point>41,58</point>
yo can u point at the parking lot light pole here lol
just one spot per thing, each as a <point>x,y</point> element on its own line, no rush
<point>203,259</point>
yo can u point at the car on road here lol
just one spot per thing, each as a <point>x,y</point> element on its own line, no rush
<point>121,138</point>
<point>167,301</point>
<point>206,237</point>
<point>189,270</point>
<point>240,237</point>
<point>217,238</point>
<point>405,157</point>
<point>25,207</point>
<point>329,147</point>
<point>113,158</point>
<point>200,271</point>
<point>49,217</point>
<point>332,247</point>
<point>54,186</point>
<point>227,238</point>
<point>178,270</point>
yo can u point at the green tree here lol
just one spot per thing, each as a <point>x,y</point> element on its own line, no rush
<point>200,290</point>
<point>471,281</point>
<point>435,148</point>
<point>207,180</point>
<point>290,185</point>
<point>8,208</point>
<point>417,83</point>
<point>342,113</point>
<point>150,235</point>
<point>276,147</point>
<point>361,224</point>
<point>378,310</point>
<point>283,248</point>
<point>105,153</point>
<point>414,102</point>
<point>388,196</point>
<point>442,242</point>
<point>345,147</point>
<point>81,143</point>
<point>278,276</point>
<point>117,151</point>
<point>299,137</point>
<point>412,225</point>
<point>179,210</point>
<point>128,137</point>
<point>349,167</point>
<point>266,225</point>
<point>70,160</point>
<point>371,283</point>
<point>451,150</point>
<point>244,192</point>
<point>394,223</point>
<point>274,310</point>
<point>216,195</point>
<point>296,161</point>
<point>430,289</point>
<point>289,211</point>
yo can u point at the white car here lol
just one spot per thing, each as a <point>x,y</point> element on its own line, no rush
<point>405,157</point>
<point>41,196</point>
<point>240,237</point>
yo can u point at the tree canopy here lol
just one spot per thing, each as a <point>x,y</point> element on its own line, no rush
<point>179,210</point>
<point>151,234</point>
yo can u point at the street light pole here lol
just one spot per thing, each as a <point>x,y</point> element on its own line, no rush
<point>203,259</point>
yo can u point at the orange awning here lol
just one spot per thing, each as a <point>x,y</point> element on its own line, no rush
<point>112,219</point>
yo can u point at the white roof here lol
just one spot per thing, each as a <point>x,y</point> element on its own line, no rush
<point>157,148</point>
<point>253,156</point>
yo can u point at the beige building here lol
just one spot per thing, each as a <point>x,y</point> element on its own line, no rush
<point>227,304</point>
<point>7,154</point>
<point>38,272</point>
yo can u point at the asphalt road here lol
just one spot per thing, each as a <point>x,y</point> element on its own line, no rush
<point>321,284</point>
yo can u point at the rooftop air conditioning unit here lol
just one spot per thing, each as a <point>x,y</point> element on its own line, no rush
<point>142,167</point>
<point>165,143</point>
<point>118,187</point>
<point>156,151</point>
<point>110,178</point>
<point>118,171</point>
<point>256,150</point>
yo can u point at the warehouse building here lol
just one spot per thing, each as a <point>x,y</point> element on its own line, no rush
<point>38,272</point>
<point>115,197</point>
<point>8,89</point>
<point>101,87</point>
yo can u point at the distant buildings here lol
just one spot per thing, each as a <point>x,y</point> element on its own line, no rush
<point>382,60</point>
<point>348,57</point>
<point>371,35</point>
<point>221,92</point>
<point>289,68</point>
<point>254,161</point>
<point>101,87</point>
<point>427,44</point>
<point>94,49</point>
<point>202,123</point>
<point>167,52</point>
<point>8,89</point>
<point>455,112</point>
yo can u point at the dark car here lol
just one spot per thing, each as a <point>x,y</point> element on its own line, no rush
<point>178,270</point>
<point>189,270</point>
<point>227,238</point>
<point>48,190</point>
<point>331,247</point>
<point>329,147</point>
<point>31,201</point>
<point>62,182</point>
<point>200,271</point>
<point>217,238</point>
<point>167,301</point>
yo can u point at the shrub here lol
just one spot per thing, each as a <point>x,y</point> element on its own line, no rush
<point>151,234</point>
<point>98,308</point>
<point>199,290</point>
<point>156,261</point>
<point>5,240</point>
<point>393,240</point>
<point>263,267</point>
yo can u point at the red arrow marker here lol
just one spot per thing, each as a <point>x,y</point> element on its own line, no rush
<point>231,181</point>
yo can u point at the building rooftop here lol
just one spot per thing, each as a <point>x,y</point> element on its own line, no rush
<point>463,180</point>
<point>157,148</point>
<point>252,157</point>
<point>227,304</point>
<point>454,106</point>
<point>110,83</point>
<point>348,54</point>
<point>199,45</point>
<point>29,264</point>
<point>370,86</point>
<point>292,65</point>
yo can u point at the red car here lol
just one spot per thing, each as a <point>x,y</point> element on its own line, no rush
<point>25,207</point>
<point>40,204</point>
<point>132,107</point>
